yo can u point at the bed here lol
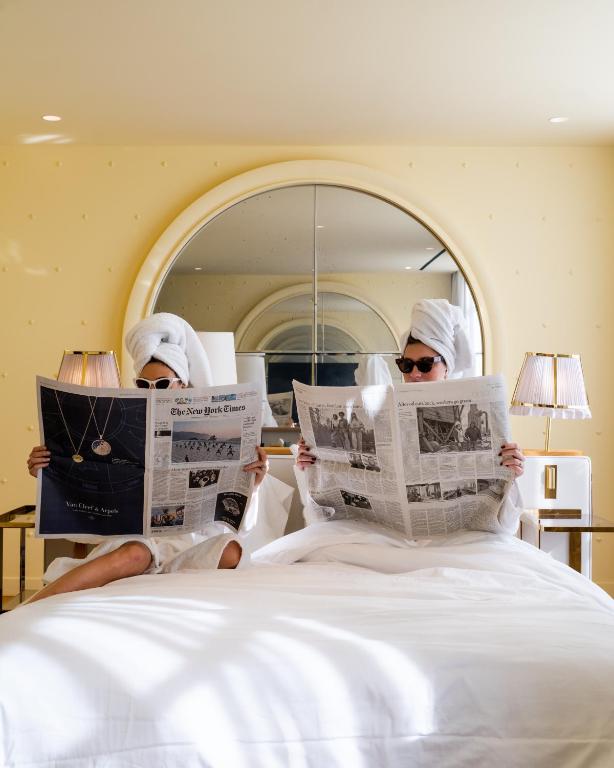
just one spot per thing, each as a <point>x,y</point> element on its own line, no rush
<point>341,645</point>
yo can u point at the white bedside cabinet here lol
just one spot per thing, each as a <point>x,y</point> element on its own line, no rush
<point>557,488</point>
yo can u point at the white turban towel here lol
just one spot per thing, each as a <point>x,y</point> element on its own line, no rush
<point>169,339</point>
<point>441,326</point>
<point>372,369</point>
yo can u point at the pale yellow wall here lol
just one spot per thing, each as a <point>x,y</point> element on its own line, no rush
<point>77,222</point>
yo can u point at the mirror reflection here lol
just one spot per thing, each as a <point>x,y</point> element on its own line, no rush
<point>312,279</point>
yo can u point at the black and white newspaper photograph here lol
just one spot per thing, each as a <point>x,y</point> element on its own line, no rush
<point>348,429</point>
<point>355,500</point>
<point>423,492</point>
<point>493,487</point>
<point>281,407</point>
<point>139,462</point>
<point>162,517</point>
<point>229,508</point>
<point>453,428</point>
<point>364,461</point>
<point>457,488</point>
<point>423,457</point>
<point>201,478</point>
<point>206,440</point>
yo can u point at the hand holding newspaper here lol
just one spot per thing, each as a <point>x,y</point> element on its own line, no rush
<point>144,462</point>
<point>422,458</point>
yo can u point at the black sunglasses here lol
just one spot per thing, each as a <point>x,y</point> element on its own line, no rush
<point>424,365</point>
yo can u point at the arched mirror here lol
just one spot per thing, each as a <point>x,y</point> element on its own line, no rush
<point>311,278</point>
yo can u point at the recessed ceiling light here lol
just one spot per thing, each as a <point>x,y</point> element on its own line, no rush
<point>430,248</point>
<point>319,226</point>
<point>197,269</point>
<point>558,119</point>
<point>52,118</point>
<point>408,267</point>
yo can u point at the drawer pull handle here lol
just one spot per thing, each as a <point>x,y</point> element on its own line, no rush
<point>550,481</point>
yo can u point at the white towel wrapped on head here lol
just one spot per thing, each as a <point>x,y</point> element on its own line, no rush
<point>441,326</point>
<point>171,340</point>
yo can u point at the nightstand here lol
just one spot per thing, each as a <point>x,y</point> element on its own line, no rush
<point>556,495</point>
<point>574,531</point>
<point>21,518</point>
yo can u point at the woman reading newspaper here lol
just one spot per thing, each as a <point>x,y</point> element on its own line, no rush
<point>433,348</point>
<point>167,354</point>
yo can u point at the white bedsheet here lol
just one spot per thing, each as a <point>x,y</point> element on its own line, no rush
<point>371,651</point>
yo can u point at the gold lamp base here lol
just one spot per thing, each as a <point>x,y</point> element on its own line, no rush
<point>545,451</point>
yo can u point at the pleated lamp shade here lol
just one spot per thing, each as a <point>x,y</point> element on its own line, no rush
<point>90,369</point>
<point>551,385</point>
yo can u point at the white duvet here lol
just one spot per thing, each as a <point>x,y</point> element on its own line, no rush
<point>369,651</point>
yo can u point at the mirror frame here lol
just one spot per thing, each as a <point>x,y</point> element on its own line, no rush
<point>361,178</point>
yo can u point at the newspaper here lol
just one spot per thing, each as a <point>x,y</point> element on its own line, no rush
<point>421,458</point>
<point>144,462</point>
<point>281,408</point>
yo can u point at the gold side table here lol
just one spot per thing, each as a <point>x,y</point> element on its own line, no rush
<point>535,522</point>
<point>21,518</point>
<point>596,525</point>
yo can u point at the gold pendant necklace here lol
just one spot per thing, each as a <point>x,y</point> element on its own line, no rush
<point>77,457</point>
<point>101,446</point>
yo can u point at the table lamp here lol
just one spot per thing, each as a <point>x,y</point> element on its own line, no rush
<point>550,385</point>
<point>90,369</point>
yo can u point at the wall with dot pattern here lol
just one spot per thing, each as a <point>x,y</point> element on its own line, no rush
<point>77,222</point>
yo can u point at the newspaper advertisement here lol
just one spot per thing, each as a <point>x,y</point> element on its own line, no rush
<point>144,462</point>
<point>422,458</point>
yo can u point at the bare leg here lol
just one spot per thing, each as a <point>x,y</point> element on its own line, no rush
<point>231,555</point>
<point>131,559</point>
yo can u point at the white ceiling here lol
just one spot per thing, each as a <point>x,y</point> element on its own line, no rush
<point>307,71</point>
<point>277,232</point>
